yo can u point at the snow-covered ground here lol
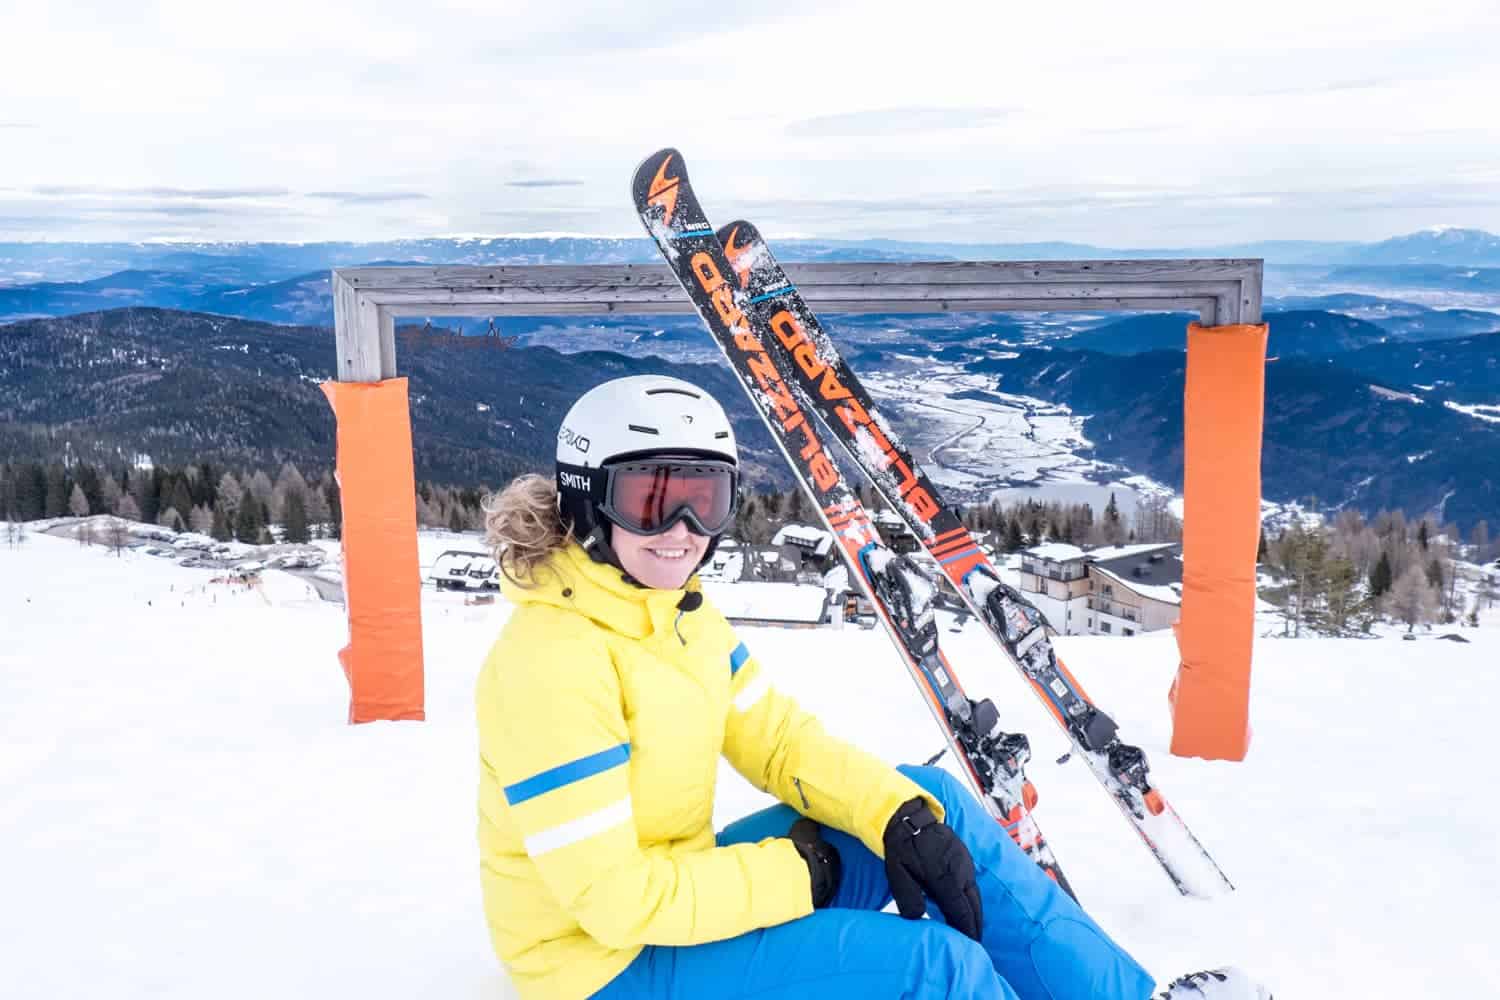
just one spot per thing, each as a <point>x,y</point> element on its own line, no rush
<point>184,813</point>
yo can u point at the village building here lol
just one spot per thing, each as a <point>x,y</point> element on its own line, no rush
<point>1112,590</point>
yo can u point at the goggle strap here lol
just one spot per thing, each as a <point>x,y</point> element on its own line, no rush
<point>583,479</point>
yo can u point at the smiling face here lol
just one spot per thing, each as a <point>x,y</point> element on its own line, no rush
<point>663,561</point>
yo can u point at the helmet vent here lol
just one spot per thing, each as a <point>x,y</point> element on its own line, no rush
<point>721,434</point>
<point>679,392</point>
<point>644,430</point>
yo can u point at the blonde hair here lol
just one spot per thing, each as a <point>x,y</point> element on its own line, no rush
<point>523,528</point>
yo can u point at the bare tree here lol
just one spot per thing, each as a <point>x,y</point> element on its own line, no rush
<point>117,534</point>
<point>78,504</point>
<point>201,519</point>
<point>1480,539</point>
<point>259,486</point>
<point>318,512</point>
<point>1489,589</point>
<point>109,493</point>
<point>129,510</point>
<point>169,518</point>
<point>229,494</point>
<point>1413,599</point>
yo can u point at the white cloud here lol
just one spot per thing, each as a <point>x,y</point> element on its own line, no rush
<point>382,119</point>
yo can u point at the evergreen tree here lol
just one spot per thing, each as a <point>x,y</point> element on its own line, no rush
<point>455,518</point>
<point>1340,597</point>
<point>159,489</point>
<point>1260,549</point>
<point>336,508</point>
<point>1435,573</point>
<point>142,491</point>
<point>796,508</point>
<point>56,502</point>
<point>744,512</point>
<point>91,483</point>
<point>1301,555</point>
<point>1013,540</point>
<point>219,529</point>
<point>31,491</point>
<point>1381,577</point>
<point>1113,529</point>
<point>204,486</point>
<point>181,498</point>
<point>294,518</point>
<point>249,522</point>
<point>1422,535</point>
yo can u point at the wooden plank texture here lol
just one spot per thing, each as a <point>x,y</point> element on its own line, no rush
<point>367,300</point>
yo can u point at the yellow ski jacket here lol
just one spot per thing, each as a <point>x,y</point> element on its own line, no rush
<point>603,708</point>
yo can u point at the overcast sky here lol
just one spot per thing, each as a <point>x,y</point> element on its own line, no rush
<point>997,121</point>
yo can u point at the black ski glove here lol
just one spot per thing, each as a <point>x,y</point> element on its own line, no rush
<point>824,866</point>
<point>925,858</point>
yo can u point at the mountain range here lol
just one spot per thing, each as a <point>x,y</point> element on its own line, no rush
<point>1367,427</point>
<point>1351,429</point>
<point>1294,331</point>
<point>279,282</point>
<point>177,387</point>
<point>1372,399</point>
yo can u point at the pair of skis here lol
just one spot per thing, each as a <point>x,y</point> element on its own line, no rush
<point>797,379</point>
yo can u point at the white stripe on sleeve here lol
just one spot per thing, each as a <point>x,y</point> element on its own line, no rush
<point>578,829</point>
<point>753,693</point>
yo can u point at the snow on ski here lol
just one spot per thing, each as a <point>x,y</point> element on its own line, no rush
<point>902,594</point>
<point>809,360</point>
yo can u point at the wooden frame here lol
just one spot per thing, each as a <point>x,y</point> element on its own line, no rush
<point>367,300</point>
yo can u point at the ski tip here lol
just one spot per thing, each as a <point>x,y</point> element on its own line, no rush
<point>739,231</point>
<point>657,181</point>
<point>739,239</point>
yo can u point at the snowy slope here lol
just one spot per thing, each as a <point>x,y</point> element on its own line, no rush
<point>183,812</point>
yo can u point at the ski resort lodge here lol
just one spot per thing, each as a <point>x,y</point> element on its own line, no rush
<point>1112,590</point>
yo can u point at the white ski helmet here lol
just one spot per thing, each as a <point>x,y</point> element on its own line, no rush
<point>631,419</point>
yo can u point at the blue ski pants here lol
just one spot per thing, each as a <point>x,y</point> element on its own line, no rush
<point>1038,944</point>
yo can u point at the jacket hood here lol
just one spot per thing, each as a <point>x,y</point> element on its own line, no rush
<point>569,579</point>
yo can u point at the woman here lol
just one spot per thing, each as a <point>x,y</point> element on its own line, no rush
<point>603,709</point>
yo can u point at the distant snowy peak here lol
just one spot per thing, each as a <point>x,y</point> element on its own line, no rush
<point>1450,245</point>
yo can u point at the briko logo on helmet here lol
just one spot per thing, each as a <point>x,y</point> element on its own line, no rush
<point>573,439</point>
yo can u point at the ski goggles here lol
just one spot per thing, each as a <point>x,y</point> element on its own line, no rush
<point>648,497</point>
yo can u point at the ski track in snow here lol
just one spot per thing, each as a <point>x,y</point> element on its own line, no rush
<point>179,789</point>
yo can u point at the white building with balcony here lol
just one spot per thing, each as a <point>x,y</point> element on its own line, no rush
<point>1112,590</point>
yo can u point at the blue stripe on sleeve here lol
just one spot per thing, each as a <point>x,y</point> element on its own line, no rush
<point>737,659</point>
<point>566,774</point>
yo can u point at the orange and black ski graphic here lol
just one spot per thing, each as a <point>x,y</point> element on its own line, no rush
<point>817,370</point>
<point>710,272</point>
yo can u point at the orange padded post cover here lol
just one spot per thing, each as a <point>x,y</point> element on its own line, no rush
<point>1224,402</point>
<point>382,586</point>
